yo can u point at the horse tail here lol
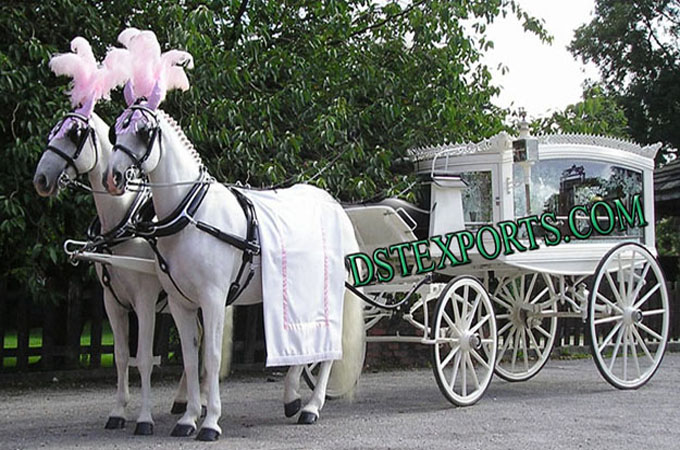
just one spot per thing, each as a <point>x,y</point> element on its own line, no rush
<point>227,342</point>
<point>345,372</point>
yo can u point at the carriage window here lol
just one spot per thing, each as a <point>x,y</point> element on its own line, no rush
<point>477,199</point>
<point>558,185</point>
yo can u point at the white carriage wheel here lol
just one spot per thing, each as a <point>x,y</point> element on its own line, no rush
<point>525,339</point>
<point>628,316</point>
<point>464,331</point>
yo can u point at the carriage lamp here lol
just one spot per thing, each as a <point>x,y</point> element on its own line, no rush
<point>525,153</point>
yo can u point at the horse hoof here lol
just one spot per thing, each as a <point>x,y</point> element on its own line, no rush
<point>292,408</point>
<point>115,423</point>
<point>208,435</point>
<point>307,418</point>
<point>178,408</point>
<point>182,430</point>
<point>204,411</point>
<point>144,429</point>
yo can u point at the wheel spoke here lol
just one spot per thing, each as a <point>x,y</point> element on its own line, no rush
<point>454,305</point>
<point>631,338</point>
<point>614,289</point>
<point>479,324</point>
<point>479,359</point>
<point>514,350</point>
<point>525,352</point>
<point>647,296</point>
<point>456,364</point>
<point>607,319</point>
<point>506,344</point>
<point>532,339</point>
<point>473,310</point>
<point>464,378</point>
<point>653,312</point>
<point>466,294</point>
<point>543,332</point>
<point>498,300</point>
<point>609,336</point>
<point>641,280</point>
<point>625,355</point>
<point>502,316</point>
<point>449,322</point>
<point>510,295</point>
<point>528,292</point>
<point>609,302</point>
<point>475,379</point>
<point>631,271</point>
<point>450,356</point>
<point>539,296</point>
<point>616,348</point>
<point>649,331</point>
<point>504,328</point>
<point>643,345</point>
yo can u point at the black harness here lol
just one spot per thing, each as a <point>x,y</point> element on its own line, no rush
<point>71,160</point>
<point>122,232</point>
<point>184,214</point>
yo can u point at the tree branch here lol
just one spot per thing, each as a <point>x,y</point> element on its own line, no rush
<point>239,14</point>
<point>380,23</point>
<point>669,55</point>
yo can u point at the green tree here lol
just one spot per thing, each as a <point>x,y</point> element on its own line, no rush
<point>635,46</point>
<point>283,91</point>
<point>597,113</point>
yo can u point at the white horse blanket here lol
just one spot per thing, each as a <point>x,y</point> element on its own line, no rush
<point>303,274</point>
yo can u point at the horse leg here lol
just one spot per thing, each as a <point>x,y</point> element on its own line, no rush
<point>179,405</point>
<point>146,315</point>
<point>185,319</point>
<point>213,322</point>
<point>310,413</point>
<point>291,394</point>
<point>118,317</point>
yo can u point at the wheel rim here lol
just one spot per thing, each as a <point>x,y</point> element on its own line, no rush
<point>465,349</point>
<point>628,316</point>
<point>525,337</point>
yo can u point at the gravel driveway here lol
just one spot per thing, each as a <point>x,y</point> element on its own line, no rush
<point>566,406</point>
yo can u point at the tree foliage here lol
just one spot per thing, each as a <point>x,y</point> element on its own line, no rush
<point>598,113</point>
<point>635,45</point>
<point>330,92</point>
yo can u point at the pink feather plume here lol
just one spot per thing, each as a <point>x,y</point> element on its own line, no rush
<point>91,81</point>
<point>149,67</point>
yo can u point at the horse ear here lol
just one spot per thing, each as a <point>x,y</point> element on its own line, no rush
<point>86,107</point>
<point>128,93</point>
<point>155,97</point>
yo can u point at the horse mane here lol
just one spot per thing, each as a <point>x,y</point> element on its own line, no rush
<point>187,144</point>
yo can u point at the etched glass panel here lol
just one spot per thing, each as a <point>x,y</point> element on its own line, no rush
<point>557,185</point>
<point>477,199</point>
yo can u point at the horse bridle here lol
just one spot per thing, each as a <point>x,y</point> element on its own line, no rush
<point>71,160</point>
<point>154,132</point>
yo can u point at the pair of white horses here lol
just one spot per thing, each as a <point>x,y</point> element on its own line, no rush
<point>200,267</point>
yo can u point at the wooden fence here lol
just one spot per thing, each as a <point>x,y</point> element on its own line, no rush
<point>74,336</point>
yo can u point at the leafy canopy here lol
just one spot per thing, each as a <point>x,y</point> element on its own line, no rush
<point>635,45</point>
<point>283,91</point>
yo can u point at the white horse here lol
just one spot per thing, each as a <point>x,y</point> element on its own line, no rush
<point>78,145</point>
<point>201,267</point>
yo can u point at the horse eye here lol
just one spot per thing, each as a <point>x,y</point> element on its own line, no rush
<point>75,133</point>
<point>143,132</point>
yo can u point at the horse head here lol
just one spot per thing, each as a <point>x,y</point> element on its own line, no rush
<point>73,147</point>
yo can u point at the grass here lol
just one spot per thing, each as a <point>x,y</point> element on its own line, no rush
<point>35,341</point>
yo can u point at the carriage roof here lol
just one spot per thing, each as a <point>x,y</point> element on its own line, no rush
<point>503,140</point>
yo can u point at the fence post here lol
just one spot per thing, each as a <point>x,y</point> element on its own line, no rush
<point>23,333</point>
<point>73,323</point>
<point>49,323</point>
<point>97,305</point>
<point>3,300</point>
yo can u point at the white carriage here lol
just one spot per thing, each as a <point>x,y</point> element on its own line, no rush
<point>500,314</point>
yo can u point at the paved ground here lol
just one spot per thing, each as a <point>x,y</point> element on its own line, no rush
<point>567,406</point>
